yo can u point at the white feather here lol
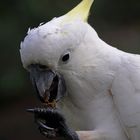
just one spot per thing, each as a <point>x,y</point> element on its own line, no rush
<point>102,82</point>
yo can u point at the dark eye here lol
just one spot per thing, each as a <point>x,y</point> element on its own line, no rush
<point>66,57</point>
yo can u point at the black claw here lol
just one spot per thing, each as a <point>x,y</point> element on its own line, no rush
<point>37,110</point>
<point>48,134</point>
<point>42,125</point>
<point>46,131</point>
<point>51,123</point>
<point>30,110</point>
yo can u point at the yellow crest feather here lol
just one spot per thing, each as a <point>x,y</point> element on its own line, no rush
<point>81,11</point>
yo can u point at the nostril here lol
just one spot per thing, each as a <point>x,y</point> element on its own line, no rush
<point>42,67</point>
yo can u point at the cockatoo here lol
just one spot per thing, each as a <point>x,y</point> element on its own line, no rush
<point>99,83</point>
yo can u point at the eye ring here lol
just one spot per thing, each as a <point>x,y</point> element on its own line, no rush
<point>65,57</point>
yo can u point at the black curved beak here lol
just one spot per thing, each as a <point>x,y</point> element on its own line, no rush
<point>49,85</point>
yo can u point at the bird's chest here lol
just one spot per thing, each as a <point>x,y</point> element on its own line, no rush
<point>88,114</point>
<point>88,104</point>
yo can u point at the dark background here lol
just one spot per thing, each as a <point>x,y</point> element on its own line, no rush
<point>116,21</point>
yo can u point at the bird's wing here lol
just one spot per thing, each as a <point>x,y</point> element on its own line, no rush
<point>125,92</point>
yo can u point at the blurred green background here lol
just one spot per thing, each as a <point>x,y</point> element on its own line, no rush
<point>116,21</point>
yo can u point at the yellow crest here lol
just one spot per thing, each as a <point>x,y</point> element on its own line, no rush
<point>81,11</point>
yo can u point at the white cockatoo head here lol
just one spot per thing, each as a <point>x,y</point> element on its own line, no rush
<point>58,51</point>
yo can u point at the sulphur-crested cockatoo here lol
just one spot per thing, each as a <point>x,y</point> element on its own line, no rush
<point>102,101</point>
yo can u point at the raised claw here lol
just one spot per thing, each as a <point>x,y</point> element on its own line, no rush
<point>36,110</point>
<point>30,110</point>
<point>48,134</point>
<point>44,126</point>
<point>45,130</point>
<point>40,115</point>
<point>52,124</point>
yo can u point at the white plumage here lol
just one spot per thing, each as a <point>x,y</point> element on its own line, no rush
<point>102,82</point>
